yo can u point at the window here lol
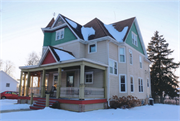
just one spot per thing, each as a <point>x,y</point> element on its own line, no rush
<point>8,92</point>
<point>113,66</point>
<point>88,77</point>
<point>140,61</point>
<point>134,39</point>
<point>140,83</point>
<point>7,84</point>
<point>130,57</point>
<point>122,82</point>
<point>132,82</point>
<point>60,34</point>
<point>122,55</point>
<point>92,48</point>
<point>147,82</point>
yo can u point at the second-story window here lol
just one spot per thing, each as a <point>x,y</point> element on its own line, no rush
<point>134,39</point>
<point>130,57</point>
<point>140,61</point>
<point>60,34</point>
<point>113,67</point>
<point>122,55</point>
<point>92,48</point>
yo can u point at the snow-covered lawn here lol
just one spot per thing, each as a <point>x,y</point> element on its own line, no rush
<point>158,112</point>
<point>7,104</point>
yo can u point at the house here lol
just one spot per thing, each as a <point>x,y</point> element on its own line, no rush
<point>87,65</point>
<point>7,83</point>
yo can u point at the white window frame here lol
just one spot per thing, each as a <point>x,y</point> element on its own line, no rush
<point>148,83</point>
<point>134,37</point>
<point>141,86</point>
<point>130,54</point>
<point>92,77</point>
<point>131,84</point>
<point>59,31</point>
<point>124,83</point>
<point>113,73</point>
<point>89,48</point>
<point>124,55</point>
<point>140,62</point>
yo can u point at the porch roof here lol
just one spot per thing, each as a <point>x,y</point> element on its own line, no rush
<point>64,64</point>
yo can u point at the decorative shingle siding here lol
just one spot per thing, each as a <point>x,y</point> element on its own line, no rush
<point>129,39</point>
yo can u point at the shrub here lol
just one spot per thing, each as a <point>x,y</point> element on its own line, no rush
<point>124,102</point>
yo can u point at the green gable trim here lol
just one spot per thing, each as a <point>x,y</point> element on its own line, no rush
<point>129,39</point>
<point>49,37</point>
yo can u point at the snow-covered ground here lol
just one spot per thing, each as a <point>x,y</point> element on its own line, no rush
<point>158,112</point>
<point>7,104</point>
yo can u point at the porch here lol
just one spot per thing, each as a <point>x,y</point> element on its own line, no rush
<point>79,79</point>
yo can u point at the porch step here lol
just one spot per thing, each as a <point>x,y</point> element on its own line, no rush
<point>41,104</point>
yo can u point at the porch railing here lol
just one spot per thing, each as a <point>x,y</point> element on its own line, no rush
<point>35,90</point>
<point>90,92</point>
<point>69,92</point>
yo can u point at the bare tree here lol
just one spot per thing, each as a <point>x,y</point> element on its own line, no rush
<point>33,59</point>
<point>1,63</point>
<point>9,68</point>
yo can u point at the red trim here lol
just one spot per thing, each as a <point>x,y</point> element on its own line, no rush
<point>70,101</point>
<point>49,59</point>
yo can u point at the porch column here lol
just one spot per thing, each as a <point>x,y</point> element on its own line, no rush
<point>43,84</point>
<point>58,84</point>
<point>105,83</point>
<point>20,84</point>
<point>24,85</point>
<point>28,84</point>
<point>81,87</point>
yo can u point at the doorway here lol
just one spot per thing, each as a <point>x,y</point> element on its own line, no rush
<point>70,79</point>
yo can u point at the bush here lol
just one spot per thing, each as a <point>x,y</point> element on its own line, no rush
<point>124,102</point>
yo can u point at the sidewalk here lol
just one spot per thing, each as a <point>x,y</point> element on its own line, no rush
<point>7,111</point>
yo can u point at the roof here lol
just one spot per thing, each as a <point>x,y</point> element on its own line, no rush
<point>98,26</point>
<point>4,73</point>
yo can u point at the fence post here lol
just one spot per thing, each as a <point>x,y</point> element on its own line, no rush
<point>47,100</point>
<point>31,101</point>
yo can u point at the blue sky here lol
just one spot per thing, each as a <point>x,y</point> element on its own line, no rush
<point>21,22</point>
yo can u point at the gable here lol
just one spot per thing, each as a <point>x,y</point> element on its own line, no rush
<point>58,22</point>
<point>49,59</point>
<point>50,37</point>
<point>129,39</point>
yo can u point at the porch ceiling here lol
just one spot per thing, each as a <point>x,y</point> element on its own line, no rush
<point>67,64</point>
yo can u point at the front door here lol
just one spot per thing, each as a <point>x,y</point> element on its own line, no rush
<point>70,79</point>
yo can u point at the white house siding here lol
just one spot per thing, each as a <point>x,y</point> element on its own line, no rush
<point>4,78</point>
<point>100,55</point>
<point>129,70</point>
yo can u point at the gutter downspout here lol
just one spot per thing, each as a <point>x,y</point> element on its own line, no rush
<point>108,81</point>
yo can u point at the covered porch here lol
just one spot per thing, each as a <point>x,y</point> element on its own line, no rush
<point>78,79</point>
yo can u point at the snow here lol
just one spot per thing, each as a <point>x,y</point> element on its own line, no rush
<point>7,104</point>
<point>119,36</point>
<point>73,24</point>
<point>64,55</point>
<point>158,112</point>
<point>86,32</point>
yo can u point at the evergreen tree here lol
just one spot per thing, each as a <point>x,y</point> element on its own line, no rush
<point>162,67</point>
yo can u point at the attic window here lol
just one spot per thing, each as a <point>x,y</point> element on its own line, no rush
<point>134,39</point>
<point>60,34</point>
<point>7,84</point>
<point>92,48</point>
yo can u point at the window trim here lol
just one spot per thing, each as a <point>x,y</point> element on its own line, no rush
<point>113,66</point>
<point>60,32</point>
<point>89,48</point>
<point>130,53</point>
<point>7,84</point>
<point>91,72</point>
<point>141,85</point>
<point>133,34</point>
<point>120,83</point>
<point>133,83</point>
<point>124,55</point>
